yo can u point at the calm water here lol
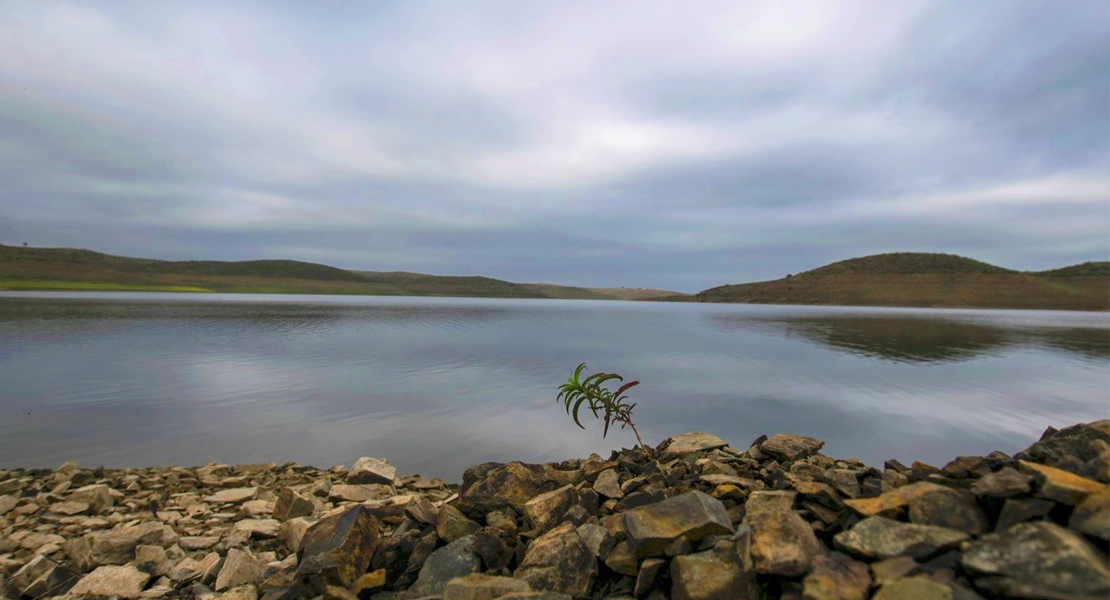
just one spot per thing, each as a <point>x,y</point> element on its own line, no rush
<point>437,384</point>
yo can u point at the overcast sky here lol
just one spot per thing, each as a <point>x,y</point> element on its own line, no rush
<point>657,144</point>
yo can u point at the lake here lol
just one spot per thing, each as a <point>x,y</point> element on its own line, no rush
<point>438,384</point>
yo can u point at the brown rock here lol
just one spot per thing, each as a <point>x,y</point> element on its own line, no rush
<point>291,504</point>
<point>724,572</point>
<point>687,443</point>
<point>372,470</point>
<point>893,569</point>
<point>1003,484</point>
<point>1092,516</point>
<point>878,537</point>
<point>339,547</point>
<point>41,576</point>
<point>693,515</point>
<point>645,579</point>
<point>122,582</point>
<point>608,485</point>
<point>914,588</point>
<point>233,496</point>
<point>946,507</point>
<point>546,510</point>
<point>477,586</point>
<point>836,578</point>
<point>1061,486</point>
<point>111,546</point>
<point>359,493</point>
<point>1016,511</point>
<point>239,568</point>
<point>97,496</point>
<point>621,559</point>
<point>559,561</point>
<point>782,542</point>
<point>512,485</point>
<point>452,524</point>
<point>785,447</point>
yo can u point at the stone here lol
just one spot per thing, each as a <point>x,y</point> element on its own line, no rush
<point>836,578</point>
<point>111,546</point>
<point>621,559</point>
<point>477,586</point>
<point>559,561</point>
<point>1092,516</point>
<point>291,532</point>
<point>893,569</point>
<point>7,503</point>
<point>97,496</point>
<point>512,484</point>
<point>1077,447</point>
<point>1016,510</point>
<point>189,569</point>
<point>456,559</point>
<point>152,559</point>
<point>782,542</point>
<point>597,538</point>
<point>202,542</point>
<point>70,508</point>
<point>291,504</point>
<point>645,579</point>
<point>946,507</point>
<point>878,537</point>
<point>372,470</point>
<point>339,547</point>
<point>233,496</point>
<point>359,493</point>
<point>914,588</point>
<point>1061,486</point>
<point>1036,560</point>
<point>724,572</point>
<point>844,480</point>
<point>452,524</point>
<point>41,576</point>
<point>785,447</point>
<point>369,581</point>
<point>1006,483</point>
<point>257,528</point>
<point>239,568</point>
<point>243,592</point>
<point>608,484</point>
<point>688,443</point>
<point>122,582</point>
<point>546,510</point>
<point>694,515</point>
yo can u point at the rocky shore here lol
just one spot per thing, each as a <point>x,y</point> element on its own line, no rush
<point>697,520</point>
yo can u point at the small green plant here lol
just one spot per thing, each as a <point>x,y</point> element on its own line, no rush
<point>592,392</point>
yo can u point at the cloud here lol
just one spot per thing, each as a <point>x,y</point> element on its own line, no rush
<point>629,143</point>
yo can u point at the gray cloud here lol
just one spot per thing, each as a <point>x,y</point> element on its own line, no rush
<point>617,144</point>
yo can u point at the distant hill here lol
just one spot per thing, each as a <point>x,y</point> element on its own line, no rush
<point>927,280</point>
<point>552,290</point>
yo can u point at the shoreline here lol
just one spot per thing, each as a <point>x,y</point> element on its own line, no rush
<point>700,519</point>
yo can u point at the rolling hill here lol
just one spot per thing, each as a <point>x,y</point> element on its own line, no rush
<point>926,280</point>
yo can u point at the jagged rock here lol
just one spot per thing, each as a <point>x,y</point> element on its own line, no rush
<point>239,568</point>
<point>688,443</point>
<point>559,561</point>
<point>291,532</point>
<point>122,582</point>
<point>893,569</point>
<point>477,586</point>
<point>452,524</point>
<point>41,575</point>
<point>724,572</point>
<point>339,547</point>
<point>546,510</point>
<point>372,470</point>
<point>597,538</point>
<point>1092,516</point>
<point>621,559</point>
<point>782,542</point>
<point>693,515</point>
<point>243,592</point>
<point>97,496</point>
<point>836,578</point>
<point>112,546</point>
<point>456,559</point>
<point>233,495</point>
<point>189,569</point>
<point>1078,449</point>
<point>914,588</point>
<point>645,578</point>
<point>1016,510</point>
<point>7,503</point>
<point>258,528</point>
<point>879,537</point>
<point>153,560</point>
<point>291,504</point>
<point>1061,486</point>
<point>359,493</point>
<point>946,507</point>
<point>1037,560</point>
<point>608,484</point>
<point>786,447</point>
<point>512,484</point>
<point>190,542</point>
<point>1006,483</point>
<point>495,552</point>
<point>70,508</point>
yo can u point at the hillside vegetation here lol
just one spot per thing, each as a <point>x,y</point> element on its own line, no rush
<point>927,280</point>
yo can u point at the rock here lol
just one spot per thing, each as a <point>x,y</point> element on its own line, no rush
<point>372,470</point>
<point>339,547</point>
<point>844,480</point>
<point>1037,560</point>
<point>359,493</point>
<point>239,568</point>
<point>512,485</point>
<point>1003,484</point>
<point>782,542</point>
<point>878,537</point>
<point>243,592</point>
<point>688,443</point>
<point>291,504</point>
<point>370,581</point>
<point>456,559</point>
<point>724,572</point>
<point>291,532</point>
<point>111,546</point>
<point>257,528</point>
<point>559,561</point>
<point>608,484</point>
<point>597,539</point>
<point>694,515</point>
<point>97,496</point>
<point>122,582</point>
<point>914,588</point>
<point>1076,448</point>
<point>621,559</point>
<point>893,569</point>
<point>546,510</point>
<point>70,508</point>
<point>451,524</point>
<point>233,496</point>
<point>197,542</point>
<point>189,569</point>
<point>153,560</point>
<point>1020,510</point>
<point>946,507</point>
<point>7,503</point>
<point>41,575</point>
<point>785,447</point>
<point>645,579</point>
<point>1061,486</point>
<point>477,586</point>
<point>1092,516</point>
<point>836,578</point>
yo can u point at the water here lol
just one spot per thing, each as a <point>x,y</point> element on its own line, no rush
<point>439,384</point>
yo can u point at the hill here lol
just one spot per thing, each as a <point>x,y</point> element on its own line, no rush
<point>927,280</point>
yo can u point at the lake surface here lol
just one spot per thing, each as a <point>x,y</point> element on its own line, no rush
<point>438,384</point>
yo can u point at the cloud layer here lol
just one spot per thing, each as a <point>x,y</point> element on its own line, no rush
<point>622,143</point>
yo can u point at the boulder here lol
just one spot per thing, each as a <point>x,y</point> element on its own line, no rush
<point>456,559</point>
<point>339,547</point>
<point>477,586</point>
<point>1078,449</point>
<point>878,537</point>
<point>452,524</point>
<point>291,504</point>
<point>782,542</point>
<point>947,507</point>
<point>724,572</point>
<point>559,561</point>
<point>372,470</point>
<point>785,447</point>
<point>546,510</point>
<point>111,581</point>
<point>1061,486</point>
<point>693,515</point>
<point>239,568</point>
<point>1037,560</point>
<point>687,443</point>
<point>1092,516</point>
<point>836,577</point>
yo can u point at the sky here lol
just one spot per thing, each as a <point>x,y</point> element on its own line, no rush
<point>650,144</point>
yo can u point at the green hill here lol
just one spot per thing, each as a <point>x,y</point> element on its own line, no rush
<point>927,280</point>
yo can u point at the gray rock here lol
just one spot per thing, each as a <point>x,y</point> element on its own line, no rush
<point>621,559</point>
<point>723,573</point>
<point>645,579</point>
<point>41,575</point>
<point>1077,449</point>
<point>456,559</point>
<point>947,507</point>
<point>372,470</point>
<point>1037,560</point>
<point>1092,516</point>
<point>893,569</point>
<point>477,586</point>
<point>1003,484</point>
<point>687,443</point>
<point>597,538</point>
<point>608,484</point>
<point>512,484</point>
<point>878,537</point>
<point>547,510</point>
<point>1015,510</point>
<point>122,582</point>
<point>785,447</point>
<point>239,568</point>
<point>452,524</point>
<point>694,515</point>
<point>339,547</point>
<point>559,561</point>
